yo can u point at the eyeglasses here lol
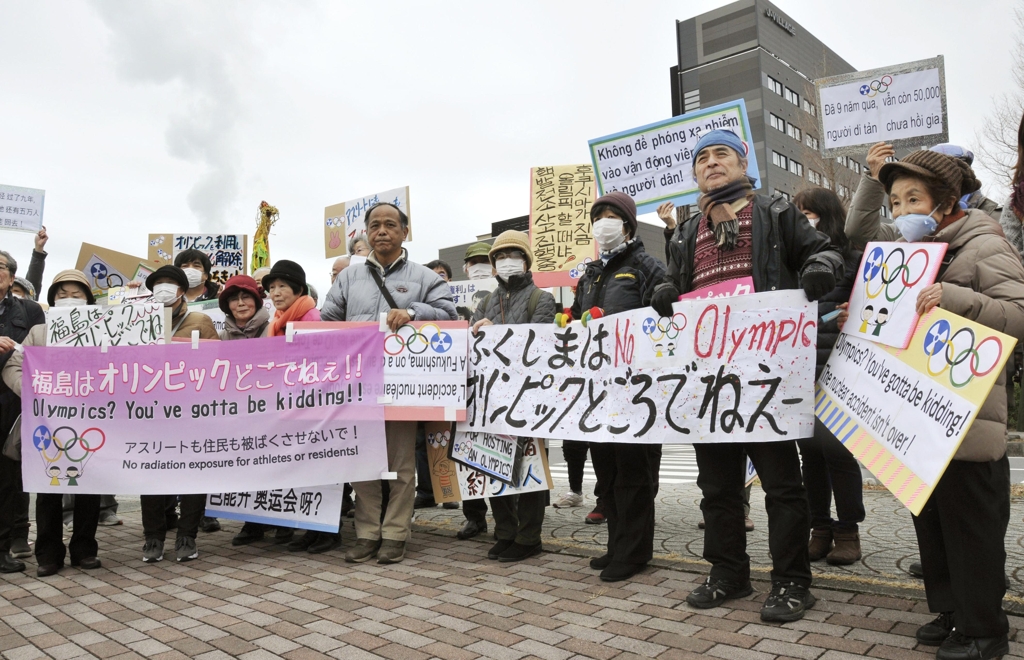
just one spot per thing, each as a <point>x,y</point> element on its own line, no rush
<point>5,267</point>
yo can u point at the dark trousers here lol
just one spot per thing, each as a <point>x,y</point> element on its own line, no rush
<point>50,531</point>
<point>628,474</point>
<point>476,511</point>
<point>960,532</point>
<point>155,510</point>
<point>519,517</point>
<point>831,470</point>
<point>423,486</point>
<point>721,478</point>
<point>12,501</point>
<point>575,454</point>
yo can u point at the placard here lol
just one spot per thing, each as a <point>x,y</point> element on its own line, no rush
<point>135,324</point>
<point>107,268</point>
<point>469,294</point>
<point>347,220</point>
<point>904,105</point>
<point>318,509</point>
<point>738,287</point>
<point>21,209</point>
<point>560,233</point>
<point>653,164</point>
<point>228,253</point>
<point>493,454</point>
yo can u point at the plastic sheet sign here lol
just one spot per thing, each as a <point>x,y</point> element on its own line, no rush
<point>883,304</point>
<point>903,413</point>
<point>346,220</point>
<point>904,105</point>
<point>654,163</point>
<point>318,509</point>
<point>139,324</point>
<point>21,209</point>
<point>244,415</point>
<point>560,233</point>
<point>722,370</point>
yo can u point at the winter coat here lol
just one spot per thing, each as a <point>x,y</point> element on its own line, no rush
<point>193,321</point>
<point>35,271</point>
<point>354,296</point>
<point>19,317</point>
<point>783,244</point>
<point>509,303</point>
<point>1012,228</point>
<point>984,282</point>
<point>626,282</point>
<point>257,326</point>
<point>12,370</point>
<point>828,333</point>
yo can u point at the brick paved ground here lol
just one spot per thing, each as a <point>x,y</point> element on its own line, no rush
<point>446,600</point>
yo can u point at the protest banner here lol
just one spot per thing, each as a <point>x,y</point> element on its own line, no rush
<point>904,105</point>
<point>738,287</point>
<point>318,508</point>
<point>468,294</point>
<point>260,414</point>
<point>107,268</point>
<point>496,456</point>
<point>138,324</point>
<point>883,303</point>
<point>228,253</point>
<point>722,370</point>
<point>346,220</point>
<point>903,413</point>
<point>653,164</point>
<point>453,482</point>
<point>21,209</point>
<point>560,235</point>
<point>425,367</point>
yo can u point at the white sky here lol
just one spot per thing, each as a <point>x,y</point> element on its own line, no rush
<point>140,117</point>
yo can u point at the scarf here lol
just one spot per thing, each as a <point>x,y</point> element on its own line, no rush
<point>1017,199</point>
<point>252,328</point>
<point>299,308</point>
<point>716,206</point>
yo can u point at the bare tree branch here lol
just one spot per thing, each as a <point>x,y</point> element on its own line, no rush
<point>997,139</point>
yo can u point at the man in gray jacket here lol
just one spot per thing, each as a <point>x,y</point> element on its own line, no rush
<point>413,293</point>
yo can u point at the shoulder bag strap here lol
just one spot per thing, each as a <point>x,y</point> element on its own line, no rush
<point>383,289</point>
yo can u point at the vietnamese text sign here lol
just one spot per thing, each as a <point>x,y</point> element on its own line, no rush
<point>883,303</point>
<point>468,294</point>
<point>21,209</point>
<point>316,508</point>
<point>348,219</point>
<point>259,414</point>
<point>903,413</point>
<point>228,253</point>
<point>654,163</point>
<point>560,234</point>
<point>722,370</point>
<point>138,324</point>
<point>904,105</point>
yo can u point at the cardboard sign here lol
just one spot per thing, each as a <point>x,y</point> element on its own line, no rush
<point>318,509</point>
<point>347,220</point>
<point>904,105</point>
<point>560,233</point>
<point>139,324</point>
<point>228,253</point>
<point>21,209</point>
<point>108,268</point>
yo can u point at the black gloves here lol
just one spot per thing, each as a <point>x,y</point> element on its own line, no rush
<point>817,280</point>
<point>663,297</point>
<point>726,233</point>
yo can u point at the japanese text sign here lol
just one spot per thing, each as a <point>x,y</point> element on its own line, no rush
<point>228,253</point>
<point>904,105</point>
<point>21,209</point>
<point>469,294</point>
<point>139,324</point>
<point>904,413</point>
<point>653,164</point>
<point>348,219</point>
<point>244,415</point>
<point>318,509</point>
<point>560,234</point>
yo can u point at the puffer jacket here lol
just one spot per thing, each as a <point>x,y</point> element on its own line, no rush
<point>984,282</point>
<point>626,282</point>
<point>1012,228</point>
<point>12,370</point>
<point>354,296</point>
<point>784,243</point>
<point>828,333</point>
<point>510,302</point>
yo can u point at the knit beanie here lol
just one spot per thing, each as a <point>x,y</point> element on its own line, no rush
<point>513,239</point>
<point>624,204</point>
<point>951,172</point>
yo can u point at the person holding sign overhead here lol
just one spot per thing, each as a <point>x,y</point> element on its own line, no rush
<point>388,283</point>
<point>741,234</point>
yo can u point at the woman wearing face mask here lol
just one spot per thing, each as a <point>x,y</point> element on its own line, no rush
<point>828,466</point>
<point>197,269</point>
<point>627,473</point>
<point>516,299</point>
<point>69,288</point>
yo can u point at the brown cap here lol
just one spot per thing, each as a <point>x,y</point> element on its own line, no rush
<point>74,276</point>
<point>516,240</point>
<point>941,168</point>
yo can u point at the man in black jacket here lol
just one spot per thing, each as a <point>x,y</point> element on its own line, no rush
<point>17,316</point>
<point>739,234</point>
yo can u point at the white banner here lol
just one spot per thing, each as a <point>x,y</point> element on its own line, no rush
<point>318,508</point>
<point>137,324</point>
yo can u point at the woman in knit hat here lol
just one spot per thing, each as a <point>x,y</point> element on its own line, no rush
<point>286,286</point>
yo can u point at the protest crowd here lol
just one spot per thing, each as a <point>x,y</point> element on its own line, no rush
<point>812,244</point>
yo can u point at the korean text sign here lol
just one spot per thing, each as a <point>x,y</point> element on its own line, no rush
<point>722,370</point>
<point>904,105</point>
<point>228,253</point>
<point>903,413</point>
<point>316,508</point>
<point>653,164</point>
<point>138,324</point>
<point>346,220</point>
<point>21,209</point>
<point>259,414</point>
<point>560,234</point>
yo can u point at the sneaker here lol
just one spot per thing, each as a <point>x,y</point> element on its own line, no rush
<point>20,548</point>
<point>208,524</point>
<point>787,602</point>
<point>595,517</point>
<point>153,551</point>
<point>959,646</point>
<point>716,591</point>
<point>391,552</point>
<point>569,500</point>
<point>110,519</point>
<point>363,550</point>
<point>185,548</point>
<point>916,569</point>
<point>936,632</point>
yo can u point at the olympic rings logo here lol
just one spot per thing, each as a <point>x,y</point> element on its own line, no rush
<point>99,272</point>
<point>438,440</point>
<point>408,338</point>
<point>894,277</point>
<point>880,86</point>
<point>957,353</point>
<point>577,272</point>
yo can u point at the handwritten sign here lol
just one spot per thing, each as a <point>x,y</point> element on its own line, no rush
<point>21,209</point>
<point>469,294</point>
<point>107,268</point>
<point>560,234</point>
<point>318,509</point>
<point>228,253</point>
<point>346,220</point>
<point>138,324</point>
<point>904,105</point>
<point>903,413</point>
<point>739,287</point>
<point>653,163</point>
<point>493,454</point>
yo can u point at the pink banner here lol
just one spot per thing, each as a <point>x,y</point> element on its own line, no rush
<point>245,415</point>
<point>738,287</point>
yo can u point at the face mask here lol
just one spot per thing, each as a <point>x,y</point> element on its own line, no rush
<point>915,226</point>
<point>195,277</point>
<point>70,302</point>
<point>165,293</point>
<point>608,234</point>
<point>510,267</point>
<point>17,295</point>
<point>479,271</point>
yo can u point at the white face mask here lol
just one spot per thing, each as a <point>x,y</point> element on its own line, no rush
<point>479,271</point>
<point>195,277</point>
<point>608,234</point>
<point>70,302</point>
<point>510,267</point>
<point>165,293</point>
